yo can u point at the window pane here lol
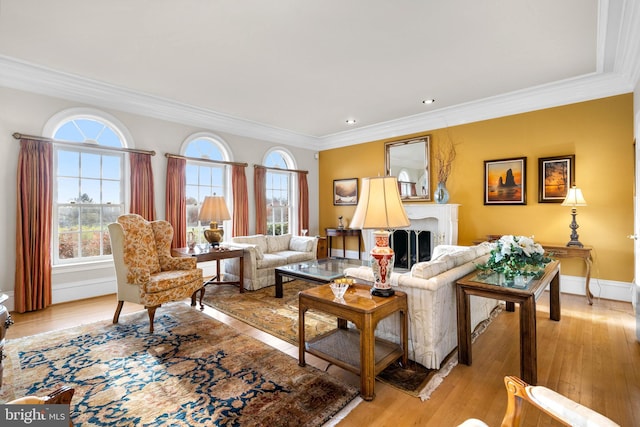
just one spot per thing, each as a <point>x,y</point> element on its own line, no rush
<point>204,175</point>
<point>110,192</point>
<point>192,194</point>
<point>68,163</point>
<point>111,167</point>
<point>109,138</point>
<point>90,218</point>
<point>91,243</point>
<point>68,218</point>
<point>68,245</point>
<point>90,191</point>
<point>90,165</point>
<point>109,214</point>
<point>68,190</point>
<point>191,172</point>
<point>90,128</point>
<point>69,132</point>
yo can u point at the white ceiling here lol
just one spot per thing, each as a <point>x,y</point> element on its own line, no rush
<point>293,71</point>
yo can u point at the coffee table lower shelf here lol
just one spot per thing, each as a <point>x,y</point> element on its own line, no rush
<point>341,347</point>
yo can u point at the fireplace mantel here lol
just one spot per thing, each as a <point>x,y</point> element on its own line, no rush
<point>440,220</point>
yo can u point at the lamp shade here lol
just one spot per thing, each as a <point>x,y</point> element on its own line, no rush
<point>574,198</point>
<point>214,209</point>
<point>380,205</point>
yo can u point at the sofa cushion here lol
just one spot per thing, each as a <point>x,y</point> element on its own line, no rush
<point>301,244</point>
<point>295,256</point>
<point>442,250</point>
<point>271,261</point>
<point>278,243</point>
<point>258,239</point>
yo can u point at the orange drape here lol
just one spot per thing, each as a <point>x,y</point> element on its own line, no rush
<point>240,201</point>
<point>260,190</point>
<point>142,199</point>
<point>33,226</point>
<point>176,200</point>
<point>303,200</point>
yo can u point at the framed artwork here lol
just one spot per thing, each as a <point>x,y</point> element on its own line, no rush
<point>556,175</point>
<point>345,192</point>
<point>505,181</point>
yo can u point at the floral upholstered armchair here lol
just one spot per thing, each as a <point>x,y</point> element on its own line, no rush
<point>146,272</point>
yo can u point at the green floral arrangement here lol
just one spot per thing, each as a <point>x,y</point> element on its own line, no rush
<point>516,255</point>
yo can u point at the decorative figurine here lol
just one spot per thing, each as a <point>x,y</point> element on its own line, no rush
<point>340,224</point>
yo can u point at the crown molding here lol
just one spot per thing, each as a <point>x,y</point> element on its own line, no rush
<point>21,75</point>
<point>552,95</point>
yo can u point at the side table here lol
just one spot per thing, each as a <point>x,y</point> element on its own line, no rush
<point>211,253</point>
<point>472,284</point>
<point>341,346</point>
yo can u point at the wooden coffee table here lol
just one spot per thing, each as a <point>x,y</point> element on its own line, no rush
<point>473,284</point>
<point>210,253</point>
<point>359,352</point>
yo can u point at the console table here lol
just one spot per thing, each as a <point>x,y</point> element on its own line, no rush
<point>5,322</point>
<point>558,251</point>
<point>344,233</point>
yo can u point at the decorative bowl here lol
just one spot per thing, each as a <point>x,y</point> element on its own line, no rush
<point>339,289</point>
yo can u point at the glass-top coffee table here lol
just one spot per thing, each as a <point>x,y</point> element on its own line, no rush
<point>318,271</point>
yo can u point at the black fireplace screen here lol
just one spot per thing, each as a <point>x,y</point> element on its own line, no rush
<point>410,247</point>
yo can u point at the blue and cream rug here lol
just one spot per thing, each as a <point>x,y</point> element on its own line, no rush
<point>192,371</point>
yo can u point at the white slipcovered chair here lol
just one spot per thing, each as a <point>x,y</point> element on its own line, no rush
<point>557,406</point>
<point>146,272</point>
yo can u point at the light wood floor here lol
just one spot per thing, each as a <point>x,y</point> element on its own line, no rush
<point>591,356</point>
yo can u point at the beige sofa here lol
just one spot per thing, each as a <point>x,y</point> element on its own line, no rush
<point>431,296</point>
<point>262,254</point>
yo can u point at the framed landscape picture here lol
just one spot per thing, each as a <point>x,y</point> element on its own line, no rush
<point>505,181</point>
<point>345,192</point>
<point>556,175</point>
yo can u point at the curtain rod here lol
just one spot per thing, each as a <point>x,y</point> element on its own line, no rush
<point>177,156</point>
<point>280,169</point>
<point>18,135</point>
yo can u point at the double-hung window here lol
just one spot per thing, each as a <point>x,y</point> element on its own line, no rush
<point>278,194</point>
<point>203,178</point>
<point>88,189</point>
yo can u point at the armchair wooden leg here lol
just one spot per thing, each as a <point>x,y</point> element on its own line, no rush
<point>152,315</point>
<point>116,316</point>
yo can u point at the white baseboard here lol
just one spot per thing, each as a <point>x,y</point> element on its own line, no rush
<point>605,289</point>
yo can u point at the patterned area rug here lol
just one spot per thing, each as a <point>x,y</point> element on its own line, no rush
<point>193,370</point>
<point>279,317</point>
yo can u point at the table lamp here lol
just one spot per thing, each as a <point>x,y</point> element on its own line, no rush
<point>380,208</point>
<point>214,209</point>
<point>574,198</point>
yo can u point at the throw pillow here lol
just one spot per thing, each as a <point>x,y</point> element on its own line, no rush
<point>301,244</point>
<point>278,243</point>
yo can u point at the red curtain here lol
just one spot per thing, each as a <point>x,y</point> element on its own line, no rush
<point>303,200</point>
<point>142,200</point>
<point>260,190</point>
<point>240,201</point>
<point>33,226</point>
<point>176,200</point>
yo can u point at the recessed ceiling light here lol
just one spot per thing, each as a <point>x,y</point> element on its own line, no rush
<point>351,122</point>
<point>428,101</point>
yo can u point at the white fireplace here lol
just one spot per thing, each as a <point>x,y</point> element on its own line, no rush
<point>440,220</point>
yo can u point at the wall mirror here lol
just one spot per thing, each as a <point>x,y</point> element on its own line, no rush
<point>408,161</point>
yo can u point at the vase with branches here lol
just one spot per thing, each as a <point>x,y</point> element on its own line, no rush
<point>444,155</point>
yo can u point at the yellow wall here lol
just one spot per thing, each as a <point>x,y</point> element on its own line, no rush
<point>599,133</point>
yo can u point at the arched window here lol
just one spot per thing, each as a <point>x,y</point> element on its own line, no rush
<point>89,190</point>
<point>204,178</point>
<point>279,192</point>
